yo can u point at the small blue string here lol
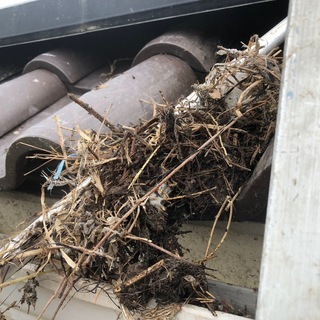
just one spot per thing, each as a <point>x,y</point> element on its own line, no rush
<point>58,171</point>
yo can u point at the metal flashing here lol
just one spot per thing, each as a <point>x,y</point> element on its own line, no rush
<point>21,23</point>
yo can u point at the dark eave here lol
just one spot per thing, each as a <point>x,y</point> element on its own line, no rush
<point>36,20</point>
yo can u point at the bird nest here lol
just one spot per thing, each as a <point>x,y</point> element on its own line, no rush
<point>133,187</point>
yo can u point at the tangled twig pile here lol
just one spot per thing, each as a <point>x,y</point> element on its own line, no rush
<point>131,189</point>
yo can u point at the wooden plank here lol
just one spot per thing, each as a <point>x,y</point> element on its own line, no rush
<point>290,273</point>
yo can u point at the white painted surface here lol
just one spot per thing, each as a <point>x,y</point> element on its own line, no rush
<point>11,3</point>
<point>82,305</point>
<point>290,273</point>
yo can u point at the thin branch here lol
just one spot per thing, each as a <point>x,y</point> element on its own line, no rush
<point>214,225</point>
<point>230,208</point>
<point>93,112</point>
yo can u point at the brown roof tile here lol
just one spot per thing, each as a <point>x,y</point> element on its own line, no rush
<point>124,99</point>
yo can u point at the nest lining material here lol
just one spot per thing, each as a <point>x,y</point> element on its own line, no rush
<point>131,189</point>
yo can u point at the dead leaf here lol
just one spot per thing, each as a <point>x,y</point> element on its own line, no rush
<point>83,134</point>
<point>216,94</point>
<point>97,183</point>
<point>68,260</point>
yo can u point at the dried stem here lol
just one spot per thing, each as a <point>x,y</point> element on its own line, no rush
<point>156,187</point>
<point>214,226</point>
<point>151,244</point>
<point>61,284</point>
<point>93,112</point>
<point>140,275</point>
<point>230,208</point>
<point>22,279</point>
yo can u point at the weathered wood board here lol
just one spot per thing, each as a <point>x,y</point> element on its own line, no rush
<point>290,273</point>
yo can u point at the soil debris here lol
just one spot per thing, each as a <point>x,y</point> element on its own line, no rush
<point>30,293</point>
